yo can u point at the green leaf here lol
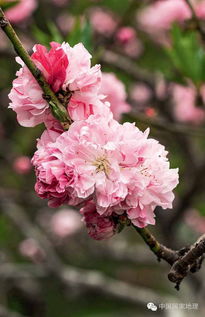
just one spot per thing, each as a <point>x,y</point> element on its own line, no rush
<point>186,55</point>
<point>7,5</point>
<point>41,36</point>
<point>81,32</point>
<point>74,36</point>
<point>55,33</point>
<point>86,36</point>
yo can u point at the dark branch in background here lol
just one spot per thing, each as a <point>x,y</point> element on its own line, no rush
<point>66,274</point>
<point>57,108</point>
<point>197,185</point>
<point>197,22</point>
<point>166,125</point>
<point>124,64</point>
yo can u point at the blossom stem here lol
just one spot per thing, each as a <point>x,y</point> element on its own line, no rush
<point>158,249</point>
<point>58,110</point>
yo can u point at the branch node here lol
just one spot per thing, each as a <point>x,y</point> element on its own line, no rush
<point>3,22</point>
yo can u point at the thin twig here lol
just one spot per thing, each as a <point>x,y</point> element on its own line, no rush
<point>57,108</point>
<point>162,252</point>
<point>166,126</point>
<point>196,21</point>
<point>128,66</point>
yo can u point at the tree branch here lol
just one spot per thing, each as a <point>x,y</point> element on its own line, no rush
<point>67,274</point>
<point>196,21</point>
<point>58,110</point>
<point>191,261</point>
<point>188,259</point>
<point>162,252</point>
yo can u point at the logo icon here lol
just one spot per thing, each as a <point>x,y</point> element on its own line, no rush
<point>151,306</point>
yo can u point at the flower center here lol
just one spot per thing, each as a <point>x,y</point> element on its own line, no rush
<point>102,165</point>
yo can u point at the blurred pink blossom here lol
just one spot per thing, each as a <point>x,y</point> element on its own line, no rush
<point>140,93</point>
<point>133,49</point>
<point>65,223</point>
<point>195,220</point>
<point>150,112</point>
<point>103,22</point>
<point>22,165</point>
<point>65,22</point>
<point>161,14</point>
<point>161,88</point>
<point>128,41</point>
<point>31,249</point>
<point>21,11</point>
<point>114,91</point>
<point>185,107</point>
<point>125,34</point>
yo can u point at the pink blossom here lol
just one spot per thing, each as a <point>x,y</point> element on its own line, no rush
<point>133,49</point>
<point>126,34</point>
<point>103,22</point>
<point>52,63</point>
<point>185,107</point>
<point>68,70</point>
<point>199,7</point>
<point>21,11</point>
<point>141,217</point>
<point>129,42</point>
<point>150,112</point>
<point>116,165</point>
<point>152,180</point>
<point>114,91</point>
<point>140,93</point>
<point>65,22</point>
<point>22,165</point>
<point>99,227</point>
<point>53,176</point>
<point>161,14</point>
<point>65,223</point>
<point>195,221</point>
<point>30,249</point>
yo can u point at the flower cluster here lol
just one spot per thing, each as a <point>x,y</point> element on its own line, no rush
<point>159,16</point>
<point>110,170</point>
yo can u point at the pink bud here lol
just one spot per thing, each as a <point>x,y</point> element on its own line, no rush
<point>150,112</point>
<point>22,165</point>
<point>126,34</point>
